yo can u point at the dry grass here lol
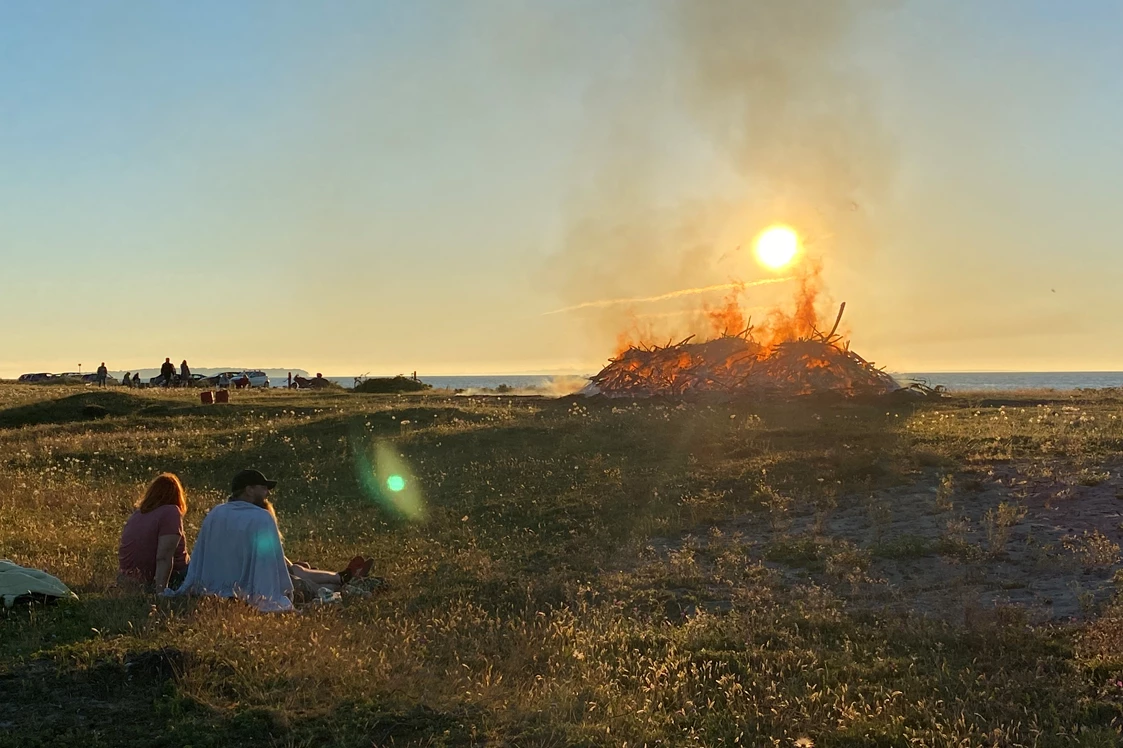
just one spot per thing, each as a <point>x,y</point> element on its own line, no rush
<point>569,581</point>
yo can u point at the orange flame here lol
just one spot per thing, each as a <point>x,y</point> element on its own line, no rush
<point>803,320</point>
<point>792,352</point>
<point>728,319</point>
<point>638,333</point>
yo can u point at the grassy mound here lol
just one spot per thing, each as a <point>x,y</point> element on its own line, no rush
<point>83,406</point>
<point>385,385</point>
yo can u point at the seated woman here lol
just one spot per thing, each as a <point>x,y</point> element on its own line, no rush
<point>153,549</point>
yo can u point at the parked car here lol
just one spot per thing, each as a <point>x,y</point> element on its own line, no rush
<point>197,380</point>
<point>222,379</point>
<point>92,378</point>
<point>229,379</point>
<point>36,378</point>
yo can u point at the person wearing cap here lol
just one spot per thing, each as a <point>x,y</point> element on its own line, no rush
<point>238,553</point>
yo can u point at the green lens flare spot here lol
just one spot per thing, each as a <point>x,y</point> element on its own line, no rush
<point>386,478</point>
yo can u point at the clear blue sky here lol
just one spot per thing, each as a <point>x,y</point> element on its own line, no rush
<point>389,186</point>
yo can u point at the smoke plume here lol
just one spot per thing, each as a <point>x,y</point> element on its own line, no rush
<point>733,116</point>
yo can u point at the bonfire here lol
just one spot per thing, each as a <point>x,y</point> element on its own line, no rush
<point>801,360</point>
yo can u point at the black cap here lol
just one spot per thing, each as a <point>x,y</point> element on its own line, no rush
<point>248,478</point>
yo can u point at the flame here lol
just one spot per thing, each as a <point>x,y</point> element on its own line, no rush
<point>802,322</point>
<point>791,352</point>
<point>728,319</point>
<point>731,317</point>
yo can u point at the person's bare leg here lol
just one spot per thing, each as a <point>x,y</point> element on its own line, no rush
<point>317,577</point>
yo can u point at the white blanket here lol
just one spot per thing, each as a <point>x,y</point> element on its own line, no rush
<point>17,581</point>
<point>238,554</point>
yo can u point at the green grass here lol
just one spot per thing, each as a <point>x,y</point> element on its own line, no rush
<point>574,576</point>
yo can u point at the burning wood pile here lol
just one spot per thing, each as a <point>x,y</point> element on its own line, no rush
<point>737,364</point>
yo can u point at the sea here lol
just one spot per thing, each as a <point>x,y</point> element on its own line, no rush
<point>468,383</point>
<point>996,381</point>
<point>984,381</point>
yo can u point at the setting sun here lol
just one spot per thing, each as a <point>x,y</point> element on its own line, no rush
<point>776,247</point>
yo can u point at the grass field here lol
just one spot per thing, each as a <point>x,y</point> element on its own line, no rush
<point>937,573</point>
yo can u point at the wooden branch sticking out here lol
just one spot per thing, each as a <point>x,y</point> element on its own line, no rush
<point>841,309</point>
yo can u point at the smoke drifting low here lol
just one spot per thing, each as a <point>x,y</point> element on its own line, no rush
<point>732,117</point>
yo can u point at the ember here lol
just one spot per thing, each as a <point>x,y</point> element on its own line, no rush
<point>804,364</point>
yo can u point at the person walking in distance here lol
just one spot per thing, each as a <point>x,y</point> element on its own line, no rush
<point>167,371</point>
<point>184,374</point>
<point>102,375</point>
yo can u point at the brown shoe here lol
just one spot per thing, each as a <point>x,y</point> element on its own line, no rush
<point>354,569</point>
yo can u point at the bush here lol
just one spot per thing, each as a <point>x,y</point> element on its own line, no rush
<point>383,385</point>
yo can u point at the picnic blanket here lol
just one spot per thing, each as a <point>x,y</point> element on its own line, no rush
<point>18,581</point>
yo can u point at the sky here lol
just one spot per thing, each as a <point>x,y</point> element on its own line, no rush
<point>379,187</point>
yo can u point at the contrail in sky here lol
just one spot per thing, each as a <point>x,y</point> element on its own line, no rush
<point>672,295</point>
<point>690,312</point>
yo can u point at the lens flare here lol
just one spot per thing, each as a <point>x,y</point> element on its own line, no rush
<point>776,247</point>
<point>385,478</point>
<point>266,542</point>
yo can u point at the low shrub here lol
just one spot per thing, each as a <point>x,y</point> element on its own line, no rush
<point>386,385</point>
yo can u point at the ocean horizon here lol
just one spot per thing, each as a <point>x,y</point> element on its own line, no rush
<point>953,381</point>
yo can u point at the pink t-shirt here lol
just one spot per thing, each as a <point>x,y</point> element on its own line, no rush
<point>136,555</point>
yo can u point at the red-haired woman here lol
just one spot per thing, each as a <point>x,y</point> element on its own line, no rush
<point>153,549</point>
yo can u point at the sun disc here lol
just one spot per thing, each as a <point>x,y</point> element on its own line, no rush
<point>776,247</point>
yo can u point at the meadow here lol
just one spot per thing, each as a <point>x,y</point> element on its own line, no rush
<point>938,572</point>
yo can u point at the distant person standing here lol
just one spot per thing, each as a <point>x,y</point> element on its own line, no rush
<point>185,374</point>
<point>102,375</point>
<point>136,379</point>
<point>167,371</point>
<point>126,382</point>
<point>290,380</point>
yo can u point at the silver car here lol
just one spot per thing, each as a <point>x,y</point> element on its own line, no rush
<point>231,379</point>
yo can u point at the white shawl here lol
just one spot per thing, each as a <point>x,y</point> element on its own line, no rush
<point>238,554</point>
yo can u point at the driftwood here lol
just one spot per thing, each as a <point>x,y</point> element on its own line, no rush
<point>738,364</point>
